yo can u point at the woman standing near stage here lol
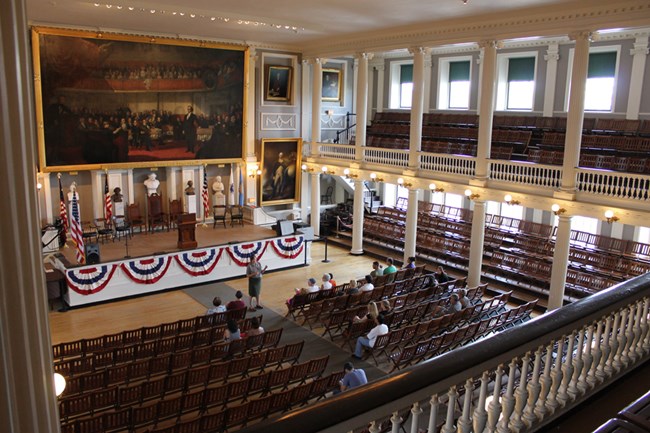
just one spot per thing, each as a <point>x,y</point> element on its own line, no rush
<point>254,273</point>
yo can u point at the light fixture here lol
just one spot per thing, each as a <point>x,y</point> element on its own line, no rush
<point>306,169</point>
<point>329,113</point>
<point>400,182</point>
<point>374,178</point>
<point>254,171</point>
<point>610,217</point>
<point>470,195</point>
<point>327,171</point>
<point>349,175</point>
<point>432,187</point>
<point>557,210</point>
<point>508,199</point>
<point>59,384</point>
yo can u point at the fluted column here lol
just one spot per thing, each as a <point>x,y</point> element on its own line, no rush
<point>486,107</point>
<point>362,104</point>
<point>249,124</point>
<point>357,218</point>
<point>552,56</point>
<point>315,202</point>
<point>305,98</point>
<point>415,136</point>
<point>316,92</point>
<point>27,400</point>
<point>380,86</point>
<point>560,262</point>
<point>426,101</point>
<point>410,237</point>
<point>371,87</point>
<point>476,244</point>
<point>639,54</point>
<point>576,112</point>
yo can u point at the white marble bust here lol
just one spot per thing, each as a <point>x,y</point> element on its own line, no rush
<point>217,187</point>
<point>73,191</point>
<point>152,184</point>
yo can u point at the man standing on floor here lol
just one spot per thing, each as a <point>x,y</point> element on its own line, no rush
<point>254,273</point>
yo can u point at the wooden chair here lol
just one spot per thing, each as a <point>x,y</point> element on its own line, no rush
<point>89,232</point>
<point>175,209</point>
<point>219,213</point>
<point>236,214</point>
<point>327,197</point>
<point>104,229</point>
<point>134,217</point>
<point>156,217</point>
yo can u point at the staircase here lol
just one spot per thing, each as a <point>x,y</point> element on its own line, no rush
<point>371,199</point>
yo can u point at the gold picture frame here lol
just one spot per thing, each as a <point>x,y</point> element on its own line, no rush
<point>280,178</point>
<point>278,83</point>
<point>107,100</point>
<point>331,89</point>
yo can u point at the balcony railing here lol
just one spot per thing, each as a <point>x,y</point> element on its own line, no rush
<point>517,380</point>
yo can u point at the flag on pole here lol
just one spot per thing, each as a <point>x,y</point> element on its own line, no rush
<point>63,211</point>
<point>241,186</point>
<point>204,194</point>
<point>75,229</point>
<point>108,203</point>
<point>231,190</point>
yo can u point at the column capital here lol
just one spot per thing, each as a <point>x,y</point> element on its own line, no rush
<point>316,61</point>
<point>640,46</point>
<point>419,51</point>
<point>366,56</point>
<point>252,53</point>
<point>552,53</point>
<point>381,67</point>
<point>490,43</point>
<point>582,35</point>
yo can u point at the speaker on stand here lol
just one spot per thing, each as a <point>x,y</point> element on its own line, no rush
<point>92,253</point>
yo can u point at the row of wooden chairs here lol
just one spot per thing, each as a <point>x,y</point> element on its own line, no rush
<point>439,344</point>
<point>598,142</point>
<point>81,347</point>
<point>625,164</point>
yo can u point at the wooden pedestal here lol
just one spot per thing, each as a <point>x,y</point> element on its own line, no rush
<point>187,231</point>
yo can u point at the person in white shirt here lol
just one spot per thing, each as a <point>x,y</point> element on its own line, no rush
<point>368,286</point>
<point>326,282</point>
<point>380,329</point>
<point>218,308</point>
<point>311,287</point>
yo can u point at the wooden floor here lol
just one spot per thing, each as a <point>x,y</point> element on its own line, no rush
<point>93,321</point>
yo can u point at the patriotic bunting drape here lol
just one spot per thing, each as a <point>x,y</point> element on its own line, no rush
<point>147,271</point>
<point>241,254</point>
<point>87,281</point>
<point>199,262</point>
<point>289,248</point>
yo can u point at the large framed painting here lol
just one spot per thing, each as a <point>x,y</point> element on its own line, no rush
<point>110,100</point>
<point>331,88</point>
<point>278,83</point>
<point>280,180</point>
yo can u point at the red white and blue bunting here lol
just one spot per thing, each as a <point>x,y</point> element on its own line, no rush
<point>198,263</point>
<point>89,280</point>
<point>288,248</point>
<point>147,271</point>
<point>241,254</point>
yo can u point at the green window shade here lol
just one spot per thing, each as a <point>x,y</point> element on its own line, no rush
<point>406,74</point>
<point>521,69</point>
<point>459,71</point>
<point>602,65</point>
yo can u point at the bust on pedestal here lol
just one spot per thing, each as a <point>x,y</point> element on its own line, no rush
<point>152,184</point>
<point>217,191</point>
<point>118,203</point>
<point>190,198</point>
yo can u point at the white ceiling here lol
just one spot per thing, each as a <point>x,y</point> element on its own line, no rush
<point>316,22</point>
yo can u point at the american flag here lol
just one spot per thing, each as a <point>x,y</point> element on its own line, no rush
<point>63,210</point>
<point>76,232</point>
<point>204,194</point>
<point>241,186</point>
<point>108,203</point>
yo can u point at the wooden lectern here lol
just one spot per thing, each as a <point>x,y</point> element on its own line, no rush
<point>186,231</point>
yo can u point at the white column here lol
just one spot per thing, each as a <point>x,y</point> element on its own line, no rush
<point>249,124</point>
<point>369,93</point>
<point>415,135</point>
<point>427,83</point>
<point>486,107</point>
<point>129,185</point>
<point>552,56</point>
<point>315,202</point>
<point>560,262</point>
<point>357,218</point>
<point>476,244</point>
<point>410,237</point>
<point>639,54</point>
<point>97,194</point>
<point>576,113</point>
<point>306,100</point>
<point>198,188</point>
<point>380,86</point>
<point>27,400</point>
<point>479,62</point>
<point>170,174</point>
<point>316,92</point>
<point>304,196</point>
<point>46,190</point>
<point>362,104</point>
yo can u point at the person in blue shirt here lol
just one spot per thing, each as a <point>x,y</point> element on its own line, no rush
<point>353,377</point>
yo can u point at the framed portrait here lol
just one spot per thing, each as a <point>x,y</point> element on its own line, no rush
<point>280,179</point>
<point>278,83</point>
<point>331,90</point>
<point>120,101</point>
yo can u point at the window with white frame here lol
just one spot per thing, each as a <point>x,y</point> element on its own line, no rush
<point>516,81</point>
<point>454,200</point>
<point>600,89</point>
<point>643,235</point>
<point>401,84</point>
<point>454,83</point>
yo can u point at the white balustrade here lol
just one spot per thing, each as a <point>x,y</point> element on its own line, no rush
<point>614,184</point>
<point>451,164</point>
<point>389,157</point>
<point>526,173</point>
<point>337,151</point>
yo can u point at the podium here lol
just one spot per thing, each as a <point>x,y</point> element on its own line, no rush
<point>187,231</point>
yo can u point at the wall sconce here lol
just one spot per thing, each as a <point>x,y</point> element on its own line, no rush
<point>329,113</point>
<point>327,171</point>
<point>432,187</point>
<point>508,199</point>
<point>557,210</point>
<point>59,384</point>
<point>254,171</point>
<point>610,217</point>
<point>348,175</point>
<point>400,182</point>
<point>374,178</point>
<point>470,195</point>
<point>306,169</point>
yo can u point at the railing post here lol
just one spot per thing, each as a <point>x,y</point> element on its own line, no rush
<point>433,414</point>
<point>415,420</point>
<point>567,370</point>
<point>396,421</point>
<point>578,364</point>
<point>480,415</point>
<point>552,402</point>
<point>494,408</point>
<point>534,389</point>
<point>541,406</point>
<point>464,423</point>
<point>588,359</point>
<point>452,395</point>
<point>520,396</point>
<point>508,399</point>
